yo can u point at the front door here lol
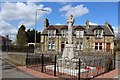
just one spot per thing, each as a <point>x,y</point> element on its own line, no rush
<point>62,46</point>
<point>108,47</point>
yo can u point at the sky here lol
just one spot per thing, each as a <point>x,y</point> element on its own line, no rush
<point>14,14</point>
<point>61,0</point>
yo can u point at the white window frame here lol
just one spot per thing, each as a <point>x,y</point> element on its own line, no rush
<point>98,45</point>
<point>79,33</point>
<point>79,46</point>
<point>98,33</point>
<point>51,46</point>
<point>51,33</point>
<point>64,33</point>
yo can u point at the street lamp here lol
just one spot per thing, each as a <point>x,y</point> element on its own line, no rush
<point>36,24</point>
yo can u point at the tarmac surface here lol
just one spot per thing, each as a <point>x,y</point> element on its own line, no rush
<point>9,71</point>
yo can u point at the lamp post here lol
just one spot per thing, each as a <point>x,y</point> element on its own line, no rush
<point>36,24</point>
<point>7,43</point>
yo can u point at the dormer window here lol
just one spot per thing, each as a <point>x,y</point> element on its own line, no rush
<point>64,33</point>
<point>79,34</point>
<point>51,33</point>
<point>98,33</point>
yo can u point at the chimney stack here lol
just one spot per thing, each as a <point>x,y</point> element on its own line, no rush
<point>87,23</point>
<point>46,22</point>
<point>106,23</point>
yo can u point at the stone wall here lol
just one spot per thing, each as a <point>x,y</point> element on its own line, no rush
<point>16,58</point>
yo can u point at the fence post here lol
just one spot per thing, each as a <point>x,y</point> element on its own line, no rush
<point>114,53</point>
<point>26,59</point>
<point>79,69</point>
<point>42,62</point>
<point>55,66</point>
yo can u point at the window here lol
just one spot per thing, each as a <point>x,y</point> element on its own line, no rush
<point>79,34</point>
<point>98,33</point>
<point>51,33</point>
<point>98,46</point>
<point>79,46</point>
<point>51,46</point>
<point>64,33</point>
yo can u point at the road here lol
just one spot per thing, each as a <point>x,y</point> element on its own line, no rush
<point>8,71</point>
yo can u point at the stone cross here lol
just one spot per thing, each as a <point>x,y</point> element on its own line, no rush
<point>68,50</point>
<point>70,22</point>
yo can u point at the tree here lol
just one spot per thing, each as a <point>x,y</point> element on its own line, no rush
<point>31,36</point>
<point>21,36</point>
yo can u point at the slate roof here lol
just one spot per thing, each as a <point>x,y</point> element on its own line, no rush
<point>90,30</point>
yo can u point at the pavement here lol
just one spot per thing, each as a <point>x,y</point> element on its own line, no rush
<point>112,74</point>
<point>9,71</point>
<point>36,73</point>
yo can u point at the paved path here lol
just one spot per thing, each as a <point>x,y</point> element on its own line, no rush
<point>111,74</point>
<point>8,71</point>
<point>36,73</point>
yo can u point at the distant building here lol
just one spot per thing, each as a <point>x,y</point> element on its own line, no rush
<point>3,41</point>
<point>85,37</point>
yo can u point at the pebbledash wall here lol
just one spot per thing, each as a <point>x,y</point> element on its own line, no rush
<point>85,37</point>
